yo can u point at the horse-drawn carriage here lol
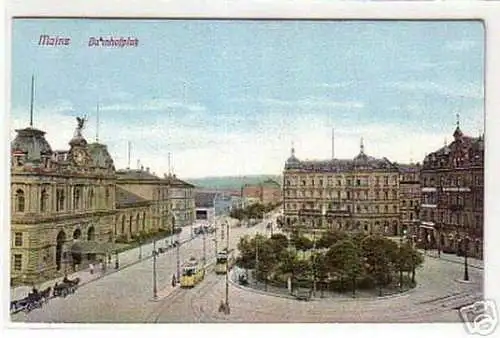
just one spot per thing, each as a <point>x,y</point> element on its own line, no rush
<point>66,287</point>
<point>34,300</point>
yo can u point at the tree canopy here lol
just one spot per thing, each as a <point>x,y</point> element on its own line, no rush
<point>348,257</point>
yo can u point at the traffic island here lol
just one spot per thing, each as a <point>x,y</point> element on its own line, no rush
<point>301,293</point>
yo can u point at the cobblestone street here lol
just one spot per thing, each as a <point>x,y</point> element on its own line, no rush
<point>126,296</point>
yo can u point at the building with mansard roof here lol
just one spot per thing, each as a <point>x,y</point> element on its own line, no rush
<point>359,194</point>
<point>70,207</point>
<point>59,199</point>
<point>452,180</point>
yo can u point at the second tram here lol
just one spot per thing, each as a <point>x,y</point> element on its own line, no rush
<point>192,273</point>
<point>221,262</point>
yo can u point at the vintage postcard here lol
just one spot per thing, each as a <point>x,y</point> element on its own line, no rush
<point>203,170</point>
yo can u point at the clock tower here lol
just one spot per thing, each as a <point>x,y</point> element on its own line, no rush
<point>78,153</point>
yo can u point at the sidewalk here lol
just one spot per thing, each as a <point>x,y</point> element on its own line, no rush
<point>472,262</point>
<point>126,259</point>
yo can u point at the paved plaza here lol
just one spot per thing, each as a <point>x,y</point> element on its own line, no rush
<point>126,295</point>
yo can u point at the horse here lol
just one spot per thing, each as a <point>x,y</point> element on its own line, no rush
<point>45,294</point>
<point>66,287</point>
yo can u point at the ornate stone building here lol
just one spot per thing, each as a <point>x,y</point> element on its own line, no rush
<point>409,197</point>
<point>452,180</point>
<point>58,199</point>
<point>69,206</point>
<point>355,195</point>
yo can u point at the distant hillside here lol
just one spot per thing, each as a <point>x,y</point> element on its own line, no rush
<point>230,182</point>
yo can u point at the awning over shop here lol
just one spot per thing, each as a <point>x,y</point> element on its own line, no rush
<point>92,247</point>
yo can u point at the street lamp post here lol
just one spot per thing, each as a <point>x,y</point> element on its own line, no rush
<point>117,262</point>
<point>204,247</point>
<point>314,263</point>
<point>401,265</point>
<point>466,266</point>
<point>215,240</point>
<point>178,258</point>
<point>155,289</point>
<point>227,271</point>
<point>256,256</point>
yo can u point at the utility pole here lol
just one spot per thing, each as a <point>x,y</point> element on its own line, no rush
<point>466,266</point>
<point>227,270</point>
<point>204,247</point>
<point>155,288</point>
<point>256,256</point>
<point>314,263</point>
<point>215,240</point>
<point>178,258</point>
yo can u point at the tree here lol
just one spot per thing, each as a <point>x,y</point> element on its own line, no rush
<point>417,259</point>
<point>330,238</point>
<point>345,260</point>
<point>279,243</point>
<point>246,248</point>
<point>376,252</point>
<point>302,243</point>
<point>322,269</point>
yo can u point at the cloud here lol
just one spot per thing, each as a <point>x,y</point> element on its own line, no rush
<point>204,150</point>
<point>156,104</point>
<point>335,85</point>
<point>314,102</point>
<point>460,45</point>
<point>466,90</point>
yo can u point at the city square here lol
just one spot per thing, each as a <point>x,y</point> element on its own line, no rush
<point>281,178</point>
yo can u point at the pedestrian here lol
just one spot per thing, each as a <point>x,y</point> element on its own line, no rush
<point>174,281</point>
<point>91,267</point>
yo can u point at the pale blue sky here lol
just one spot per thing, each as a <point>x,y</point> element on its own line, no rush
<point>229,97</point>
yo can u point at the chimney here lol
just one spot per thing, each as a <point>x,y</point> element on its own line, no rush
<point>147,169</point>
<point>142,167</point>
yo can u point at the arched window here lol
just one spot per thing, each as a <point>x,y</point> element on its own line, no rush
<point>60,199</point>
<point>130,225</point>
<point>43,200</point>
<point>20,200</point>
<point>107,197</point>
<point>143,220</point>
<point>137,219</point>
<point>123,224</point>
<point>76,197</point>
<point>91,198</point>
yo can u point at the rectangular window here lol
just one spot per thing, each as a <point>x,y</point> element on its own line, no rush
<point>18,262</point>
<point>18,239</point>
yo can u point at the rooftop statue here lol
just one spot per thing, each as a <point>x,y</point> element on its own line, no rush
<point>81,124</point>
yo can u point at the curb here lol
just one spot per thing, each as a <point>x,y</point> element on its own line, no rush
<point>113,271</point>
<point>313,299</point>
<point>453,261</point>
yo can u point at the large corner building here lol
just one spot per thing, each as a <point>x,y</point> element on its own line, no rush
<point>359,194</point>
<point>68,205</point>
